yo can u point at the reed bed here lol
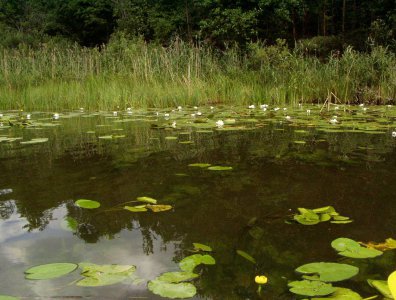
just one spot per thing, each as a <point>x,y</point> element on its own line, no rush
<point>128,73</point>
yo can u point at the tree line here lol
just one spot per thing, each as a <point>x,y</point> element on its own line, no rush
<point>216,22</point>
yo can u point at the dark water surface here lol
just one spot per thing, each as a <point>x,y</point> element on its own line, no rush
<point>272,176</point>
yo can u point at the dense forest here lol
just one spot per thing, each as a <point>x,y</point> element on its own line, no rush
<point>216,22</point>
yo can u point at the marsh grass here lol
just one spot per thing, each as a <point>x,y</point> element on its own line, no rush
<point>133,73</point>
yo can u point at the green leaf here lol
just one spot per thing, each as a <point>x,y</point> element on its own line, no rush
<point>85,203</point>
<point>392,284</point>
<point>329,272</point>
<point>311,288</point>
<point>350,248</point>
<point>342,294</point>
<point>172,290</point>
<point>70,224</point>
<point>49,271</point>
<point>246,256</point>
<point>341,222</point>
<point>381,286</point>
<point>147,200</point>
<point>201,247</point>
<point>35,141</point>
<point>158,207</point>
<point>200,165</point>
<point>189,263</point>
<point>324,210</point>
<point>219,168</point>
<point>307,217</point>
<point>136,208</point>
<point>101,275</point>
<point>176,277</point>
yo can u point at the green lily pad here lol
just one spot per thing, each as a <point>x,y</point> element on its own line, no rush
<point>341,222</point>
<point>140,208</point>
<point>49,271</point>
<point>189,263</point>
<point>199,165</point>
<point>85,203</point>
<point>147,200</point>
<point>35,141</point>
<point>172,290</point>
<point>176,277</point>
<point>342,294</point>
<point>324,210</point>
<point>311,288</point>
<point>350,248</point>
<point>101,275</point>
<point>381,286</point>
<point>202,247</point>
<point>246,256</point>
<point>220,168</point>
<point>329,272</point>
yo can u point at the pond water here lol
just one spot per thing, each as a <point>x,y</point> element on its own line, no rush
<point>281,160</point>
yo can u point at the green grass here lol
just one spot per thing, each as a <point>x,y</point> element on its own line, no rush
<point>136,74</point>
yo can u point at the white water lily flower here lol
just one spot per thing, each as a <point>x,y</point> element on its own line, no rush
<point>211,107</point>
<point>192,115</point>
<point>393,133</point>
<point>262,106</point>
<point>81,108</point>
<point>285,108</point>
<point>174,124</point>
<point>166,115</point>
<point>56,116</point>
<point>389,105</point>
<point>1,115</point>
<point>115,113</point>
<point>288,118</point>
<point>179,108</point>
<point>199,113</point>
<point>364,108</point>
<point>220,123</point>
<point>308,112</point>
<point>276,108</point>
<point>28,117</point>
<point>195,107</point>
<point>129,109</point>
<point>361,105</point>
<point>336,108</point>
<point>264,109</point>
<point>333,121</point>
<point>252,106</point>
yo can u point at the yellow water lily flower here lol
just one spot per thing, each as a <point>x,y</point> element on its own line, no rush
<point>261,279</point>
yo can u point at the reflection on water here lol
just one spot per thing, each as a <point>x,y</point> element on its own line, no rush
<point>272,175</point>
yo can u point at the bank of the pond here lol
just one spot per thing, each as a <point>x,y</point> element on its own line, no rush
<point>137,74</point>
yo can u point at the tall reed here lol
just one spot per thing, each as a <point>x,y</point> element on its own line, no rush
<point>133,73</point>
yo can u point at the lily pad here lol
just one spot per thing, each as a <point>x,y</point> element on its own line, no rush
<point>158,208</point>
<point>350,248</point>
<point>381,286</point>
<point>101,275</point>
<point>172,290</point>
<point>189,263</point>
<point>392,284</point>
<point>202,247</point>
<point>199,165</point>
<point>311,288</point>
<point>342,294</point>
<point>147,200</point>
<point>246,256</point>
<point>176,277</point>
<point>85,203</point>
<point>49,271</point>
<point>329,272</point>
<point>220,168</point>
<point>35,141</point>
<point>140,208</point>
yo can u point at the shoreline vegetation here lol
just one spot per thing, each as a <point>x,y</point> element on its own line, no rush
<point>132,73</point>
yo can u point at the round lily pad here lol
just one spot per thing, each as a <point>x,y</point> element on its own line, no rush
<point>49,271</point>
<point>85,203</point>
<point>220,168</point>
<point>176,277</point>
<point>329,272</point>
<point>350,248</point>
<point>172,290</point>
<point>311,288</point>
<point>342,294</point>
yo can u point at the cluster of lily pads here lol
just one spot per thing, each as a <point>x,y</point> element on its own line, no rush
<point>150,204</point>
<point>318,277</point>
<point>169,285</point>
<point>321,214</point>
